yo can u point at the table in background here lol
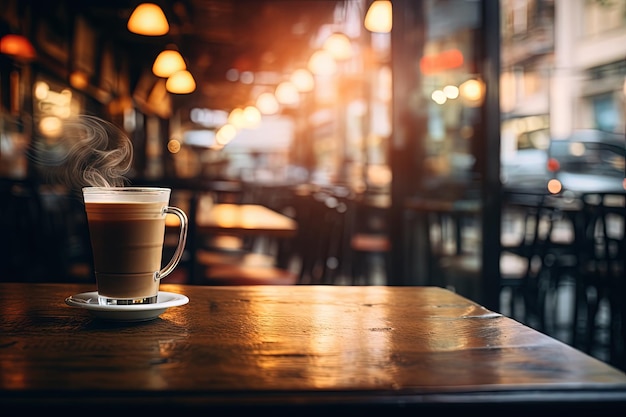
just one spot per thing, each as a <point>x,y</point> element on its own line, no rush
<point>293,350</point>
<point>244,220</point>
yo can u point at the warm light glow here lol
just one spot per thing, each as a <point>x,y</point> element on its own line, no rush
<point>53,103</point>
<point>41,90</point>
<point>379,17</point>
<point>451,91</point>
<point>51,126</point>
<point>267,103</point>
<point>442,61</point>
<point>287,94</point>
<point>79,80</point>
<point>339,46</point>
<point>322,63</point>
<point>439,97</point>
<point>379,175</point>
<point>173,146</point>
<point>17,46</point>
<point>181,82</point>
<point>235,118</point>
<point>252,117</point>
<point>225,134</point>
<point>472,91</point>
<point>148,19</point>
<point>167,63</point>
<point>303,80</point>
<point>554,186</point>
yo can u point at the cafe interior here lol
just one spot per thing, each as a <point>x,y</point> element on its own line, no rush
<point>335,142</point>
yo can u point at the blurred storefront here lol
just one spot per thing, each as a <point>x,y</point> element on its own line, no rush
<point>563,68</point>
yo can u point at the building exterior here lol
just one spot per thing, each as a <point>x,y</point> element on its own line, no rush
<point>563,68</point>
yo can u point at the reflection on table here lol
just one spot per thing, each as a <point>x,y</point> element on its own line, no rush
<point>293,350</point>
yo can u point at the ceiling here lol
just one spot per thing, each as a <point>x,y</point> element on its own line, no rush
<point>216,35</point>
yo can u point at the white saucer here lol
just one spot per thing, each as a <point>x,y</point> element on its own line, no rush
<point>135,312</point>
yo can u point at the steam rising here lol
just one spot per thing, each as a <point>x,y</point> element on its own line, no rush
<point>89,152</point>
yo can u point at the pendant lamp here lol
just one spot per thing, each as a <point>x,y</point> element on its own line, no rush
<point>167,63</point>
<point>17,46</point>
<point>267,103</point>
<point>148,19</point>
<point>379,17</point>
<point>339,46</point>
<point>181,82</point>
<point>322,63</point>
<point>303,80</point>
<point>287,94</point>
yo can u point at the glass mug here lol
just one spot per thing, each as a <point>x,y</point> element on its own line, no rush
<point>127,230</point>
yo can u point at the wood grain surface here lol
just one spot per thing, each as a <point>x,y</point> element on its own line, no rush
<point>293,348</point>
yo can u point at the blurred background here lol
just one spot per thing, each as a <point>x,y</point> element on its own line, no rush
<point>471,144</point>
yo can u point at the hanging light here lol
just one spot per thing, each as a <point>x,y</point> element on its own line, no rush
<point>472,92</point>
<point>167,63</point>
<point>339,46</point>
<point>79,80</point>
<point>379,17</point>
<point>322,63</point>
<point>225,134</point>
<point>287,94</point>
<point>235,118</point>
<point>181,82</point>
<point>303,80</point>
<point>17,46</point>
<point>252,117</point>
<point>267,103</point>
<point>148,19</point>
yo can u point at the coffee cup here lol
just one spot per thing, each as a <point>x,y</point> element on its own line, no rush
<point>127,230</point>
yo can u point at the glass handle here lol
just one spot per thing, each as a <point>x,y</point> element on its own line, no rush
<point>182,238</point>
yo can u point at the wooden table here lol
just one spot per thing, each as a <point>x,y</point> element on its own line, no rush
<point>292,350</point>
<point>245,219</point>
<point>242,220</point>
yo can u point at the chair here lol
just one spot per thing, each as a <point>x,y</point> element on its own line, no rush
<point>368,242</point>
<point>325,260</point>
<point>455,256</point>
<point>601,289</point>
<point>314,256</point>
<point>535,262</point>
